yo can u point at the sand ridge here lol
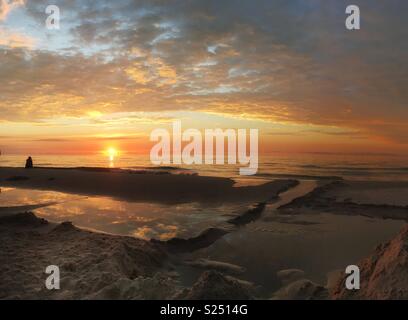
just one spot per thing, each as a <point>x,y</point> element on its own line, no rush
<point>131,186</point>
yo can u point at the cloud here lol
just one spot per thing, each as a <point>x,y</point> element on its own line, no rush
<point>286,61</point>
<point>89,138</point>
<point>335,133</point>
<point>52,140</point>
<point>6,6</point>
<point>13,39</point>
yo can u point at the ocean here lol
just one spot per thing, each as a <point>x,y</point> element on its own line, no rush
<point>305,165</point>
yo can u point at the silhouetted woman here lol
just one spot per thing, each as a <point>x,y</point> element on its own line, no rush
<point>29,163</point>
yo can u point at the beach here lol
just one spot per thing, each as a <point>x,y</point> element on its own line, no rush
<point>264,251</point>
<point>139,185</point>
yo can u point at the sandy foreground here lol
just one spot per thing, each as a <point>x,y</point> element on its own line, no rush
<point>103,266</point>
<point>100,266</point>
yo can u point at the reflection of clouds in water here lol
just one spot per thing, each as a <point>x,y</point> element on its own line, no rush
<point>161,232</point>
<point>100,211</point>
<point>146,220</point>
<point>6,189</point>
<point>107,204</point>
<point>18,197</point>
<point>106,214</point>
<point>143,232</point>
<point>60,212</point>
<point>134,219</point>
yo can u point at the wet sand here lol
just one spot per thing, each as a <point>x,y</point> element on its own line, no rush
<point>385,200</point>
<point>134,186</point>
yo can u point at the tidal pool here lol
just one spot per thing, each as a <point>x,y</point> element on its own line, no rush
<point>139,219</point>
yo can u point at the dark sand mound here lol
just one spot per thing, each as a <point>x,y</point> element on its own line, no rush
<point>288,276</point>
<point>302,289</point>
<point>88,261</point>
<point>22,219</point>
<point>384,274</point>
<point>212,285</point>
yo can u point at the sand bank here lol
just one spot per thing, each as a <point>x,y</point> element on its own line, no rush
<point>385,200</point>
<point>125,185</point>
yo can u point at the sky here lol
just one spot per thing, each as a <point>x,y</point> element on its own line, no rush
<point>116,70</point>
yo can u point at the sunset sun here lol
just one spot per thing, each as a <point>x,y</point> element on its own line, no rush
<point>112,153</point>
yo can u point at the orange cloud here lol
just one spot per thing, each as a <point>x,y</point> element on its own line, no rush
<point>8,5</point>
<point>14,39</point>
